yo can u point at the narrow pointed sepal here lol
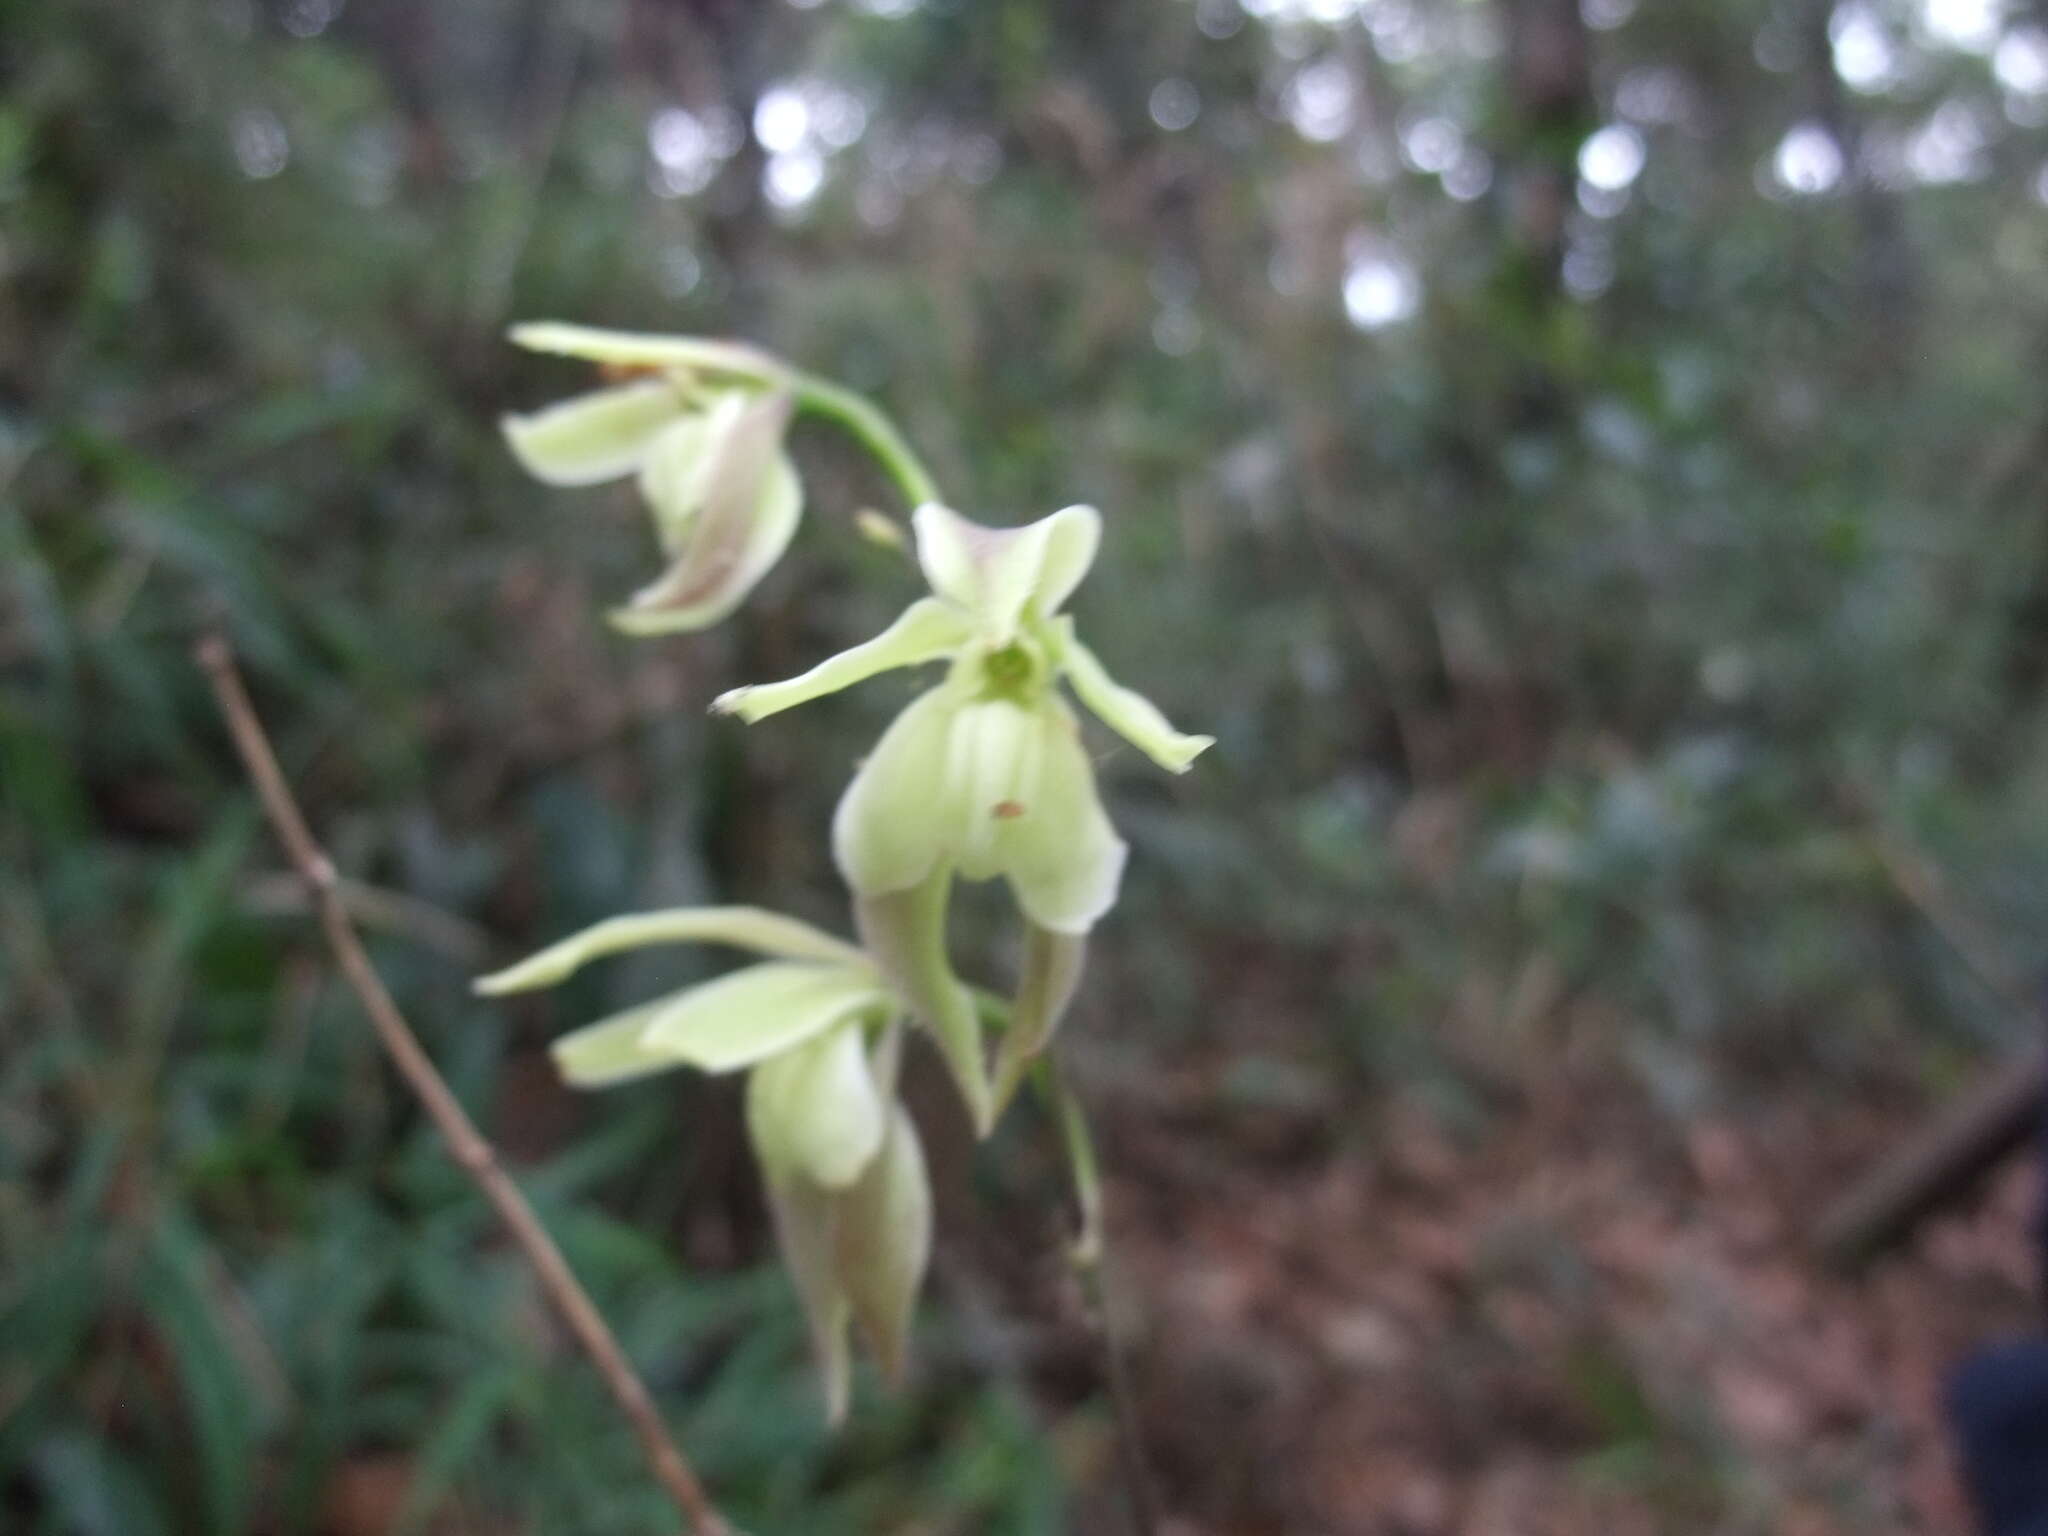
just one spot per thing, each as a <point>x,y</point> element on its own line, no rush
<point>806,1220</point>
<point>1051,974</point>
<point>613,1050</point>
<point>639,349</point>
<point>925,631</point>
<point>1127,712</point>
<point>767,933</point>
<point>905,932</point>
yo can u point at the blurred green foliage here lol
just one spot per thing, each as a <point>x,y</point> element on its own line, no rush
<point>1575,575</point>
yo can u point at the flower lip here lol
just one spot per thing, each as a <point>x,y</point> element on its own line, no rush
<point>727,502</point>
<point>987,788</point>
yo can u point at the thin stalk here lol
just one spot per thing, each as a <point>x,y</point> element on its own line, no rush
<point>1089,1255</point>
<point>466,1144</point>
<point>868,423</point>
<point>1082,1163</point>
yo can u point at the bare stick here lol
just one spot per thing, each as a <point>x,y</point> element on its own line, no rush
<point>1941,1161</point>
<point>465,1142</point>
<point>1936,1164</point>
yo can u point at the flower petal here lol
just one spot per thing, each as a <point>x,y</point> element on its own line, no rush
<point>1130,714</point>
<point>1074,534</point>
<point>888,833</point>
<point>806,1218</point>
<point>1062,856</point>
<point>594,437</point>
<point>906,933</point>
<point>994,572</point>
<point>946,550</point>
<point>769,933</point>
<point>762,1011</point>
<point>675,474</point>
<point>925,631</point>
<point>884,1242</point>
<point>814,1111</point>
<point>752,501</point>
<point>611,1050</point>
<point>638,349</point>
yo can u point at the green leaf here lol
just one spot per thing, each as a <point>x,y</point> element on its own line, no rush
<point>94,1491</point>
<point>219,1401</point>
<point>460,1432</point>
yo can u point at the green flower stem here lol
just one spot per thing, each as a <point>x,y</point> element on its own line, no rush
<point>1075,1137</point>
<point>1082,1163</point>
<point>877,433</point>
<point>1089,1259</point>
<point>684,359</point>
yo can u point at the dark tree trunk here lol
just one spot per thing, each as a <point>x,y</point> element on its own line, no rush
<point>1547,112</point>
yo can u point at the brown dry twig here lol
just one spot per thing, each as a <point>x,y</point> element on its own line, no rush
<point>1937,1163</point>
<point>467,1145</point>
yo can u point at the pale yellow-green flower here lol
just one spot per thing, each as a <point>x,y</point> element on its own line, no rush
<point>709,457</point>
<point>814,1027</point>
<point>985,774</point>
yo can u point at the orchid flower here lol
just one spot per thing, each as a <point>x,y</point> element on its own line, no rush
<point>814,1028</point>
<point>984,775</point>
<point>709,457</point>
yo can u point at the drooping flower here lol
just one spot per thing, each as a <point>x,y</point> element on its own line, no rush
<point>701,423</point>
<point>984,775</point>
<point>816,1029</point>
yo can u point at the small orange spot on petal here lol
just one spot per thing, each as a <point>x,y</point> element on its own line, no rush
<point>1008,810</point>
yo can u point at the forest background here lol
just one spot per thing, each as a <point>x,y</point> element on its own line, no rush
<point>1586,464</point>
